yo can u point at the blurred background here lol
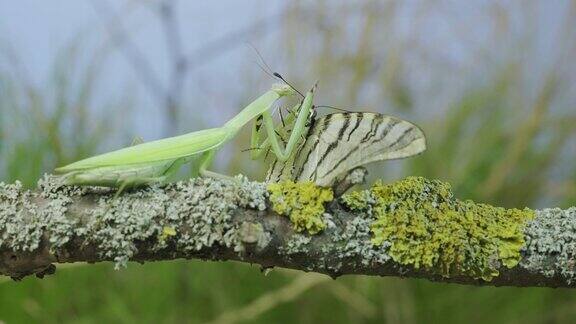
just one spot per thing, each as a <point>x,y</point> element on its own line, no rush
<point>492,83</point>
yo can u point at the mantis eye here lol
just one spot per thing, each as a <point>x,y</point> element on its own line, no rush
<point>313,113</point>
<point>311,117</point>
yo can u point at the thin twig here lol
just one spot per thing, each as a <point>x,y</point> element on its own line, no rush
<point>179,67</point>
<point>268,301</point>
<point>134,56</point>
<point>355,300</point>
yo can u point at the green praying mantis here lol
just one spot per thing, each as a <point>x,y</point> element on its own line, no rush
<point>157,161</point>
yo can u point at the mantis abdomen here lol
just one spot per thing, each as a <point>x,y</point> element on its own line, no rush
<point>115,176</point>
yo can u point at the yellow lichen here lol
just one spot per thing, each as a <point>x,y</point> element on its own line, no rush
<point>357,200</point>
<point>302,202</point>
<point>428,228</point>
<point>167,231</point>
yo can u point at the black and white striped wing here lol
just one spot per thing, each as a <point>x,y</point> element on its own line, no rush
<point>341,142</point>
<point>279,171</point>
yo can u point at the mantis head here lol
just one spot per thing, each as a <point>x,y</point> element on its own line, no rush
<point>283,89</point>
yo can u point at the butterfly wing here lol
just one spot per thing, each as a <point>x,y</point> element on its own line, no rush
<point>341,142</point>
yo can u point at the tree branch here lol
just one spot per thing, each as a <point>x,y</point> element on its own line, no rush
<point>225,220</point>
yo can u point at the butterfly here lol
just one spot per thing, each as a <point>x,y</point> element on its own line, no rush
<point>339,142</point>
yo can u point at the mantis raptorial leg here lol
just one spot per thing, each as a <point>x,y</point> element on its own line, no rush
<point>257,148</point>
<point>303,111</point>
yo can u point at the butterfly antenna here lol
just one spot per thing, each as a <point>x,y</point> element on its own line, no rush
<point>277,109</point>
<point>250,149</point>
<point>332,107</point>
<point>282,117</point>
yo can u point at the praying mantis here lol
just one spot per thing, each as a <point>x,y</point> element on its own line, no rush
<point>156,161</point>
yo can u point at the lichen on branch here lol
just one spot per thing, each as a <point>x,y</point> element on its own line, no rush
<point>185,216</point>
<point>427,227</point>
<point>414,227</point>
<point>302,202</point>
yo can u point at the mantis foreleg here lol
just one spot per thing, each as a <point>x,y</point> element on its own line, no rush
<point>257,148</point>
<point>282,153</point>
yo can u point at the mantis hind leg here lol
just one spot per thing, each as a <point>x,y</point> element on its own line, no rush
<point>136,180</point>
<point>121,189</point>
<point>205,161</point>
<point>132,181</point>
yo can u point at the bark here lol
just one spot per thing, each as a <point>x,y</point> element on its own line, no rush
<point>218,220</point>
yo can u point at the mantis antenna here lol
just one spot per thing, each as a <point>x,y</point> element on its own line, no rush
<point>268,70</point>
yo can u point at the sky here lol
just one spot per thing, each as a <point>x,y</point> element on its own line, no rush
<point>38,31</point>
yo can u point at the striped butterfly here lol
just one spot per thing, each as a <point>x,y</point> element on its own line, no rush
<point>337,143</point>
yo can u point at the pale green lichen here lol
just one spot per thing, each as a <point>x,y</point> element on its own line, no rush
<point>551,243</point>
<point>421,224</point>
<point>354,241</point>
<point>298,243</point>
<point>201,209</point>
<point>20,227</point>
<point>208,206</point>
<point>302,202</point>
<point>118,224</point>
<point>59,197</point>
<point>22,223</point>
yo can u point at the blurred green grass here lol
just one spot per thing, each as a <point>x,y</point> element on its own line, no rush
<point>196,291</point>
<point>495,142</point>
